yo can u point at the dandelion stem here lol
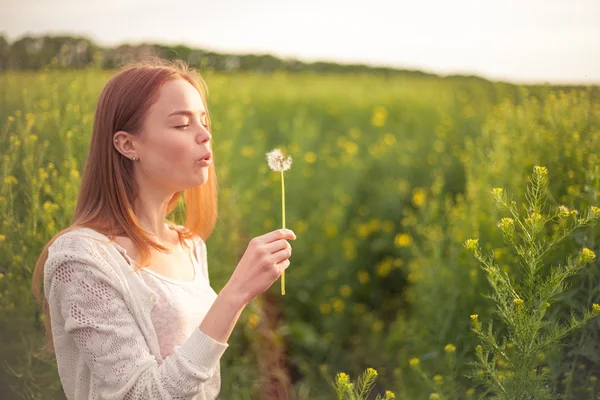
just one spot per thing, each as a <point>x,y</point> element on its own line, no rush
<point>283,226</point>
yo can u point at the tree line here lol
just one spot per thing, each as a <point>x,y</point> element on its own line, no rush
<point>72,52</point>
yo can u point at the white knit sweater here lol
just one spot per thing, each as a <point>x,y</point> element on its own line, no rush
<point>106,346</point>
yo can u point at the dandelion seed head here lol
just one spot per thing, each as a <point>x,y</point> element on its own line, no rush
<point>277,161</point>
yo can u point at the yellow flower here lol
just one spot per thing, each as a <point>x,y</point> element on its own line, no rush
<point>345,291</point>
<point>563,211</point>
<point>540,171</point>
<point>253,320</point>
<point>325,308</point>
<point>331,230</point>
<point>2,238</point>
<point>364,231</point>
<point>384,268</point>
<point>338,305</point>
<point>247,151</point>
<point>472,244</point>
<point>389,139</point>
<point>596,307</point>
<point>438,379</point>
<point>497,192</point>
<point>342,379</point>
<point>450,348</point>
<point>586,255</point>
<point>507,226</point>
<point>389,395</point>
<point>300,226</point>
<point>518,302</point>
<point>595,212</point>
<point>371,372</point>
<point>414,362</point>
<point>10,180</point>
<point>470,392</point>
<point>403,240</point>
<point>363,277</point>
<point>434,396</point>
<point>310,157</point>
<point>419,196</point>
<point>379,116</point>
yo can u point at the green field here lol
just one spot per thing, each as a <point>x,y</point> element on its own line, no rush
<point>390,176</point>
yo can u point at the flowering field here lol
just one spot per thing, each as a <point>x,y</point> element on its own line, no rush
<point>401,187</point>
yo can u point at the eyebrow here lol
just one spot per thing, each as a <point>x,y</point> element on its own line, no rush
<point>186,113</point>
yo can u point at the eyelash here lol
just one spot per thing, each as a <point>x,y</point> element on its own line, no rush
<point>186,125</point>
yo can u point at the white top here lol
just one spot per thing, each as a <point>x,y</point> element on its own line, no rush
<point>109,330</point>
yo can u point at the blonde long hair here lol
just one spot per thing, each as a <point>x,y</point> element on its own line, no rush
<point>108,189</point>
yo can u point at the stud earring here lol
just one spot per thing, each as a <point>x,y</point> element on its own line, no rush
<point>134,158</point>
<point>116,140</point>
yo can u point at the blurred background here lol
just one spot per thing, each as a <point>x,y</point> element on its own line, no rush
<point>400,118</point>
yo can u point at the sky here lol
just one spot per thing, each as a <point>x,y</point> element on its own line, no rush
<point>520,41</point>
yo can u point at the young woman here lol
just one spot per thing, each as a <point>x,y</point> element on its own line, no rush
<point>129,310</point>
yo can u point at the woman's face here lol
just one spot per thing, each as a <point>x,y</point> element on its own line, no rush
<point>174,139</point>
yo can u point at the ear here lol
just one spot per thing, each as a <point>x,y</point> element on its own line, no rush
<point>124,142</point>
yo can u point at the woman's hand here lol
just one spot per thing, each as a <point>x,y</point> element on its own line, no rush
<point>265,259</point>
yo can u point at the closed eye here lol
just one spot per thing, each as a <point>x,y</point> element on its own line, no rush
<point>182,126</point>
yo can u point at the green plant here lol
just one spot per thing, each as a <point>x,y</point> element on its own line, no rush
<point>513,365</point>
<point>361,389</point>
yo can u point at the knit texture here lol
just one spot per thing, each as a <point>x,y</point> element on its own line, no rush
<point>105,342</point>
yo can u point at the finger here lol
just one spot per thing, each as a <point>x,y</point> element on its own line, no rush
<point>277,235</point>
<point>282,266</point>
<point>281,255</point>
<point>277,245</point>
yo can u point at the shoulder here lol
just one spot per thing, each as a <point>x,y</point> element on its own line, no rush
<point>78,242</point>
<point>81,246</point>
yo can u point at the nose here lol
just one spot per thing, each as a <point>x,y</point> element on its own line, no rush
<point>203,135</point>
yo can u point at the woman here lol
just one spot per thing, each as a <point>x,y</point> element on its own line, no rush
<point>129,310</point>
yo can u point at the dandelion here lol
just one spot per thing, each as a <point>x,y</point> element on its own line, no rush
<point>277,162</point>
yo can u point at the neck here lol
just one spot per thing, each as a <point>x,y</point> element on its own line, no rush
<point>151,211</point>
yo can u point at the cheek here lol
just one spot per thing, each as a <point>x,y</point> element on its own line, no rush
<point>174,152</point>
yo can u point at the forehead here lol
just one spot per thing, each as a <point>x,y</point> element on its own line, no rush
<point>176,95</point>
